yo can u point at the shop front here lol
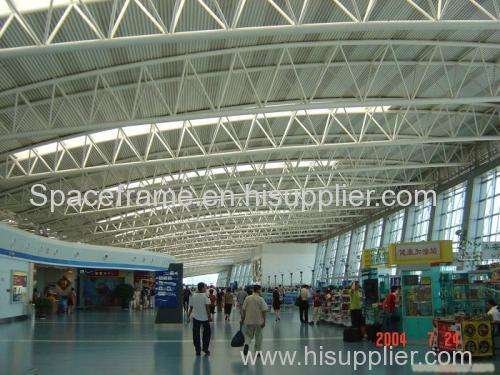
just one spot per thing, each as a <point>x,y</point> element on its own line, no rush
<point>438,302</point>
<point>99,287</point>
<point>54,286</point>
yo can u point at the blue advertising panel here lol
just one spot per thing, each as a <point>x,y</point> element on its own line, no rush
<point>166,283</point>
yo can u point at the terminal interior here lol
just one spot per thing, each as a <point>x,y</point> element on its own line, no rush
<point>335,158</point>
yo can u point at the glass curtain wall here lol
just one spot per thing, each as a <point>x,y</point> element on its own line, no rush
<point>331,252</point>
<point>419,217</point>
<point>485,209</point>
<point>374,235</point>
<point>354,259</point>
<point>319,262</point>
<point>393,228</point>
<point>339,266</point>
<point>446,218</point>
<point>449,215</point>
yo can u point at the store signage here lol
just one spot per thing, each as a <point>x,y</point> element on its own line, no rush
<point>90,272</point>
<point>377,257</point>
<point>166,285</point>
<point>421,252</point>
<point>141,275</point>
<point>418,251</point>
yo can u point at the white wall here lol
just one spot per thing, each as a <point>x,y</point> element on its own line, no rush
<point>16,243</point>
<point>284,258</point>
<point>7,308</point>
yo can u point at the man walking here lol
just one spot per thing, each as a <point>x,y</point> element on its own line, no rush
<point>304,304</point>
<point>240,297</point>
<point>253,317</point>
<point>186,295</point>
<point>199,307</point>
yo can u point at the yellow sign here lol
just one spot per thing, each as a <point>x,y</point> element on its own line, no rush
<point>373,258</point>
<point>421,252</point>
<point>366,259</point>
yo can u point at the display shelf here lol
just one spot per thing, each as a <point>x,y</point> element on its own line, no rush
<point>417,300</point>
<point>465,292</point>
<point>336,310</point>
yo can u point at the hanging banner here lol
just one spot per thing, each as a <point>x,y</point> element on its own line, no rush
<point>421,252</point>
<point>166,283</point>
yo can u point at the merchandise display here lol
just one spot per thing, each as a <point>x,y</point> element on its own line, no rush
<point>336,307</point>
<point>462,333</point>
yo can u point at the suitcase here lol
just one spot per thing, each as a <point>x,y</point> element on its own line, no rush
<point>371,331</point>
<point>352,335</point>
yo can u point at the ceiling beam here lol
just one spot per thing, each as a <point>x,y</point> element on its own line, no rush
<point>292,31</point>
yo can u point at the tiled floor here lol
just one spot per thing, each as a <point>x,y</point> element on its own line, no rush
<point>116,342</point>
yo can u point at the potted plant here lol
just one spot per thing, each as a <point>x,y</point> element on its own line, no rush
<point>124,294</point>
<point>42,307</point>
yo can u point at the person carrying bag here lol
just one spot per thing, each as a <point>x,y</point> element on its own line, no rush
<point>238,339</point>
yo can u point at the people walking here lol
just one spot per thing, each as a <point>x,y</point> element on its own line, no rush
<point>355,306</point>
<point>152,294</point>
<point>199,308</point>
<point>212,298</point>
<point>316,300</point>
<point>186,294</point>
<point>71,301</point>
<point>228,303</point>
<point>276,303</point>
<point>136,299</point>
<point>304,304</point>
<point>281,291</point>
<point>253,317</point>
<point>220,299</point>
<point>240,298</point>
<point>390,319</point>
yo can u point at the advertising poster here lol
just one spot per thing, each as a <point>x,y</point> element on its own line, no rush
<point>19,286</point>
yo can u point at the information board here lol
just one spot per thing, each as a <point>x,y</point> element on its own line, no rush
<point>166,284</point>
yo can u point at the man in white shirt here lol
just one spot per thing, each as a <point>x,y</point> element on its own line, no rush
<point>253,317</point>
<point>240,297</point>
<point>304,304</point>
<point>199,307</point>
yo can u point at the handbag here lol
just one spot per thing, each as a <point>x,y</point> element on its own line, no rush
<point>238,339</point>
<point>298,301</point>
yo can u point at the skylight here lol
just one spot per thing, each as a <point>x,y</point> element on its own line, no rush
<point>187,175</point>
<point>213,216</point>
<point>138,130</point>
<point>30,6</point>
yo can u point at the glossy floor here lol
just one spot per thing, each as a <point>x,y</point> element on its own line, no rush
<point>116,342</point>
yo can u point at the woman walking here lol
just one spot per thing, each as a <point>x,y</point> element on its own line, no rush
<point>277,303</point>
<point>71,301</point>
<point>220,299</point>
<point>212,299</point>
<point>228,303</point>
